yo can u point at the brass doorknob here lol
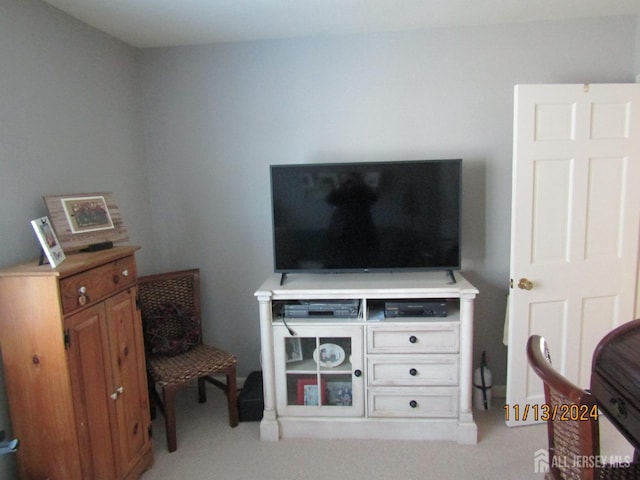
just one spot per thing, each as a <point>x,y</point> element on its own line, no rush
<point>525,284</point>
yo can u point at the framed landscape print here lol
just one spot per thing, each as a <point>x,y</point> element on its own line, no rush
<point>48,241</point>
<point>81,220</point>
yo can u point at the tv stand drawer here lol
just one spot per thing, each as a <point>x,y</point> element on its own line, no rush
<point>425,370</point>
<point>441,337</point>
<point>413,402</point>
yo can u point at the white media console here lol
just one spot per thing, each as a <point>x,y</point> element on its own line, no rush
<point>334,365</point>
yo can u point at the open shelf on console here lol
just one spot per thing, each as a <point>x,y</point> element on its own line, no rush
<point>318,310</point>
<point>418,309</point>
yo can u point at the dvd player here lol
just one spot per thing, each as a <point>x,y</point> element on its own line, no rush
<point>322,308</point>
<point>415,308</point>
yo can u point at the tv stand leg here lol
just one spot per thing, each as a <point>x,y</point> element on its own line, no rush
<point>451,277</point>
<point>283,278</point>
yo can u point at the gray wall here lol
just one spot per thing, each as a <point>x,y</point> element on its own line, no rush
<point>217,116</point>
<point>70,122</point>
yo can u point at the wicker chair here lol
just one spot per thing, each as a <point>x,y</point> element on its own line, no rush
<point>574,442</point>
<point>170,304</point>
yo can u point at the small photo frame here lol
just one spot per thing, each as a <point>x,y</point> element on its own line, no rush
<point>308,391</point>
<point>85,219</point>
<point>48,241</point>
<point>340,393</point>
<point>293,349</point>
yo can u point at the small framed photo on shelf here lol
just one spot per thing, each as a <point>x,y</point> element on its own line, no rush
<point>48,241</point>
<point>308,391</point>
<point>293,349</point>
<point>340,393</point>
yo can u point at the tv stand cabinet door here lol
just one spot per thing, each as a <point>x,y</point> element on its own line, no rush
<point>328,354</point>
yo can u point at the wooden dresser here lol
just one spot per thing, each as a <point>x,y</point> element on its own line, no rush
<point>74,368</point>
<point>615,379</point>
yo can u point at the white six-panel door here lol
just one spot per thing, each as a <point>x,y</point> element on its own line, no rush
<point>574,230</point>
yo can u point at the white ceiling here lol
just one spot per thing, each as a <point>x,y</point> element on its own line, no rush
<point>157,23</point>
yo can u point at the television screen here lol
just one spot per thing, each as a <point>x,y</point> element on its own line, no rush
<point>366,216</point>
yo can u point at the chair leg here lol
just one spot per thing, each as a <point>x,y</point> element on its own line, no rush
<point>202,390</point>
<point>232,397</point>
<point>169,394</point>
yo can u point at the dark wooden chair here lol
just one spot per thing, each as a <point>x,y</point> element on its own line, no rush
<point>176,356</point>
<point>574,439</point>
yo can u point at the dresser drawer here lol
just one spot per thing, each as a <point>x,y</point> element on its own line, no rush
<point>619,406</point>
<point>431,338</point>
<point>413,402</point>
<point>421,370</point>
<point>91,286</point>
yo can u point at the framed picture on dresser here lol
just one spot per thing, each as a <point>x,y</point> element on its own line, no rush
<point>86,219</point>
<point>51,247</point>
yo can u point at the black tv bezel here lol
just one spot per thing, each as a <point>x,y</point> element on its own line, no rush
<point>448,269</point>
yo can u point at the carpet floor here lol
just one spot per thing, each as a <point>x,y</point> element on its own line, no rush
<point>208,449</point>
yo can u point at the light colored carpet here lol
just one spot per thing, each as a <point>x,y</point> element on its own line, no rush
<point>209,449</point>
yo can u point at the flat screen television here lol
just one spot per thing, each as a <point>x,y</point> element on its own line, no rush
<point>366,217</point>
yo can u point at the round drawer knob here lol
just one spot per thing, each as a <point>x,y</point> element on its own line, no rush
<point>413,339</point>
<point>125,273</point>
<point>413,372</point>
<point>116,279</point>
<point>621,410</point>
<point>413,404</point>
<point>82,296</point>
<point>358,373</point>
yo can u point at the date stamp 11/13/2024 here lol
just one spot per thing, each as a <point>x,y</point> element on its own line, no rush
<point>545,412</point>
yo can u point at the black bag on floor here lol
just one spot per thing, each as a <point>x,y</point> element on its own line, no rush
<point>250,399</point>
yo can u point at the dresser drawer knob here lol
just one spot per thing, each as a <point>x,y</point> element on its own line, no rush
<point>413,372</point>
<point>413,339</point>
<point>413,404</point>
<point>82,296</point>
<point>621,410</point>
<point>125,273</point>
<point>358,373</point>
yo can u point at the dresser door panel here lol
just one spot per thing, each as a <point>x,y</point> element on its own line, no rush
<point>90,365</point>
<point>129,378</point>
